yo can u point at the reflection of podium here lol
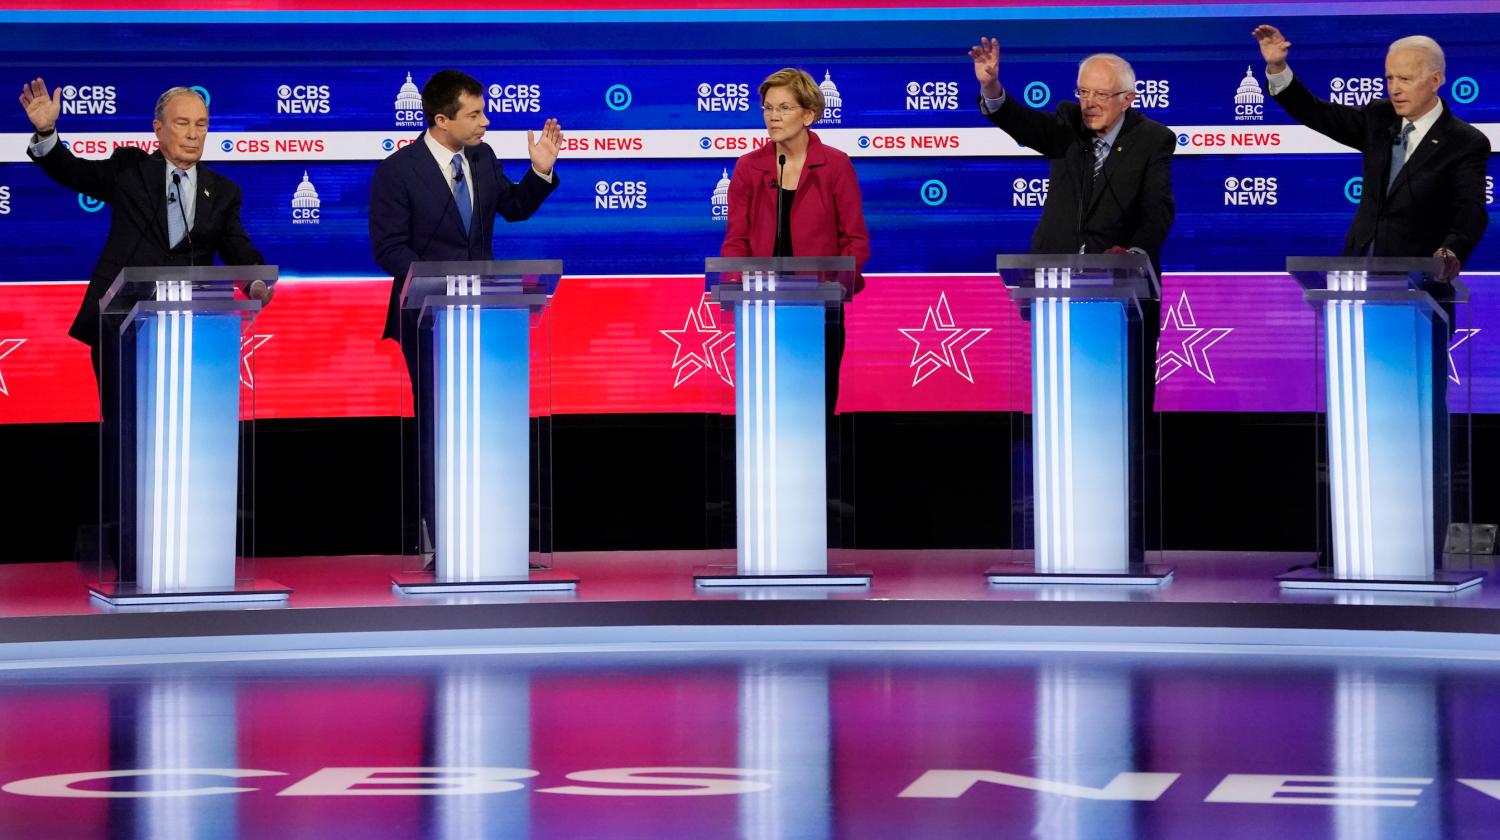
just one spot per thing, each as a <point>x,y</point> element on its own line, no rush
<point>177,335</point>
<point>1087,416</point>
<point>474,411</point>
<point>1387,416</point>
<point>781,498</point>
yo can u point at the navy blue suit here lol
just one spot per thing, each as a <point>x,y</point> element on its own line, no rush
<point>413,217</point>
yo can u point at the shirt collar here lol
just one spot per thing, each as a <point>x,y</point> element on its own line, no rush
<point>1424,123</point>
<point>440,152</point>
<point>1114,131</point>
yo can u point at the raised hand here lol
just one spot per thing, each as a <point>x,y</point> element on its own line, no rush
<point>544,151</point>
<point>986,58</point>
<point>41,109</point>
<point>1273,47</point>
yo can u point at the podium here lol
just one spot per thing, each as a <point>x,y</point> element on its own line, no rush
<point>780,487</point>
<point>473,405</point>
<point>1385,323</point>
<point>171,342</point>
<point>1089,403</point>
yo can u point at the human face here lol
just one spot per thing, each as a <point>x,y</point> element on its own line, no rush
<point>182,129</point>
<point>1105,101</point>
<point>1411,85</point>
<point>785,118</point>
<point>466,128</point>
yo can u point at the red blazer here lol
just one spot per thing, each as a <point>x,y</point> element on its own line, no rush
<point>827,219</point>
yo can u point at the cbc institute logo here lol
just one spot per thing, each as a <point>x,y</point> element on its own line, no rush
<point>1249,99</point>
<point>409,106</point>
<point>307,208</point>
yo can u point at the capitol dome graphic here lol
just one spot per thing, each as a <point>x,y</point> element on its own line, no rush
<point>306,197</point>
<point>409,99</point>
<point>1249,92</point>
<point>831,97</point>
<point>721,192</point>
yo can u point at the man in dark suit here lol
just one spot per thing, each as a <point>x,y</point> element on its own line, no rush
<point>1111,168</point>
<point>1434,204</point>
<point>1110,192</point>
<point>165,210</point>
<point>149,225</point>
<point>437,199</point>
<point>1423,195</point>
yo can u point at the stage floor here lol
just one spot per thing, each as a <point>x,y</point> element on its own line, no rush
<point>767,744</point>
<point>649,597</point>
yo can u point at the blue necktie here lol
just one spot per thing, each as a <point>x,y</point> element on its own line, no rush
<point>1101,151</point>
<point>176,208</point>
<point>1398,155</point>
<point>461,192</point>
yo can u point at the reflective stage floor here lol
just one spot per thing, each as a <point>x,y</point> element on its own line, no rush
<point>755,744</point>
<point>928,705</point>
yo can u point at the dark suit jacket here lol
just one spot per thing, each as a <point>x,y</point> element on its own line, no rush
<point>413,217</point>
<point>828,218</point>
<point>1129,205</point>
<point>1438,198</point>
<point>133,183</point>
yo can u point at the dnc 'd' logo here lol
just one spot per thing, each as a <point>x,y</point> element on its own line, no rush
<point>307,208</point>
<point>409,106</point>
<point>88,99</point>
<point>833,102</point>
<point>1249,100</point>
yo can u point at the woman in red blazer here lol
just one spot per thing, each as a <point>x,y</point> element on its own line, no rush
<point>820,217</point>
<point>821,213</point>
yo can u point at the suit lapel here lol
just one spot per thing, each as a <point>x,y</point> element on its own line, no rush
<point>153,197</point>
<point>207,199</point>
<point>434,176</point>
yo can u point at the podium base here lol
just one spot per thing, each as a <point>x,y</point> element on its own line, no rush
<point>1441,581</point>
<point>726,576</point>
<point>247,591</point>
<point>428,583</point>
<point>1143,574</point>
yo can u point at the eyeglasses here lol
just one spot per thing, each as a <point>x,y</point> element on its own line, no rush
<point>1086,95</point>
<point>782,109</point>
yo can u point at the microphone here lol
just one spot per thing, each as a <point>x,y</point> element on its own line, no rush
<point>780,172</point>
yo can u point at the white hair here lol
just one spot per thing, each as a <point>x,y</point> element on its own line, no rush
<point>172,93</point>
<point>1124,73</point>
<point>1433,52</point>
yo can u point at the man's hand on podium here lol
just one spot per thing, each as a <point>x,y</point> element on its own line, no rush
<point>1116,249</point>
<point>1451,265</point>
<point>261,291</point>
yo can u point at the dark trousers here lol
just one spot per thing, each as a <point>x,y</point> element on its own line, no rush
<point>114,539</point>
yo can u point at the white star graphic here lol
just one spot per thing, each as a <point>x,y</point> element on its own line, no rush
<point>1179,327</point>
<point>248,345</point>
<point>701,345</point>
<point>7,347</point>
<point>941,343</point>
<point>1459,337</point>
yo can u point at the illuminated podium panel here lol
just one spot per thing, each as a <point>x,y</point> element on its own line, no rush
<point>181,477</point>
<point>476,464</point>
<point>1385,324</point>
<point>1077,475</point>
<point>779,305</point>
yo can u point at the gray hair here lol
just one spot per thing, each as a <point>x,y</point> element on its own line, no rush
<point>1124,73</point>
<point>172,93</point>
<point>1429,47</point>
